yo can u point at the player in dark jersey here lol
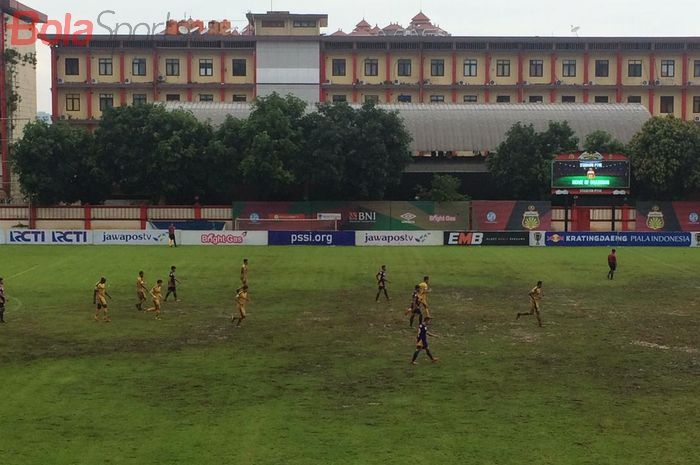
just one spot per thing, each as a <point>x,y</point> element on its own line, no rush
<point>612,264</point>
<point>416,307</point>
<point>381,283</point>
<point>171,236</point>
<point>172,285</point>
<point>422,341</point>
<point>3,299</point>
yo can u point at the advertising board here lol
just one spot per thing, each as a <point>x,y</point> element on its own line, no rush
<point>327,238</point>
<point>486,238</point>
<point>135,237</point>
<point>223,238</point>
<point>398,238</point>
<point>53,237</point>
<point>619,239</point>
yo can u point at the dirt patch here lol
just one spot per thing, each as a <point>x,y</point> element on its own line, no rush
<point>523,336</point>
<point>651,345</point>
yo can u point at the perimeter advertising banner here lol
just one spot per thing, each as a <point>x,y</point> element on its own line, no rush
<point>2,236</point>
<point>359,216</point>
<point>223,238</point>
<point>398,238</point>
<point>133,237</point>
<point>668,216</point>
<point>511,215</point>
<point>618,239</point>
<point>318,238</point>
<point>52,237</point>
<point>466,238</point>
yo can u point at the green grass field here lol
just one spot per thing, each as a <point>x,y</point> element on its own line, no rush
<point>320,374</point>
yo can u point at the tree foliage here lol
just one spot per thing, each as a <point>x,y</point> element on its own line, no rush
<point>146,151</point>
<point>602,142</point>
<point>521,168</point>
<point>443,188</point>
<point>58,163</point>
<point>665,158</point>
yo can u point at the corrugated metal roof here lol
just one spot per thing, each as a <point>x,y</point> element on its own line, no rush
<point>474,126</point>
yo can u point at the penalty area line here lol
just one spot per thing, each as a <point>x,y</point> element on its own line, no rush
<point>24,272</point>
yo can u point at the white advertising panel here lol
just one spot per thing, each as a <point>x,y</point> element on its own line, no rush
<point>537,239</point>
<point>2,236</point>
<point>398,238</point>
<point>223,237</point>
<point>135,237</point>
<point>52,237</point>
<point>695,239</point>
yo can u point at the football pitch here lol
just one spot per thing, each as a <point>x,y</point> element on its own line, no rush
<point>320,374</point>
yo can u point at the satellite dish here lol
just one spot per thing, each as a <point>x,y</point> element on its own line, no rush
<point>575,29</point>
<point>183,30</point>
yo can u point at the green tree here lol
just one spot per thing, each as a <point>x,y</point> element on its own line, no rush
<point>273,139</point>
<point>521,166</point>
<point>443,188</point>
<point>665,158</point>
<point>602,142</point>
<point>57,163</point>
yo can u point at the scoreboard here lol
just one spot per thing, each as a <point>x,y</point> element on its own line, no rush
<point>590,173</point>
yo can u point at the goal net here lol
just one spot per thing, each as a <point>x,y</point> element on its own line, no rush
<point>246,224</point>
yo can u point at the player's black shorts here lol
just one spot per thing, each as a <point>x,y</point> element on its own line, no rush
<point>171,289</point>
<point>171,236</point>
<point>613,266</point>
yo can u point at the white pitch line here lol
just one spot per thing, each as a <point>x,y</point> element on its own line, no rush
<point>24,272</point>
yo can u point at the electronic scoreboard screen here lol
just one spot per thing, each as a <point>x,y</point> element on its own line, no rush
<point>590,174</point>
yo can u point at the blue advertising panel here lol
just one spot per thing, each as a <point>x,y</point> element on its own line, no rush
<point>618,239</point>
<point>325,238</point>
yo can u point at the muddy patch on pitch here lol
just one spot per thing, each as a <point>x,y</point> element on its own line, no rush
<point>652,345</point>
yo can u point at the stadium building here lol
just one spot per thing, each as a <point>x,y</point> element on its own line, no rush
<point>18,81</point>
<point>420,63</point>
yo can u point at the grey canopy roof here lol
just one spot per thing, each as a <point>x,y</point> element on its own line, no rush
<point>474,127</point>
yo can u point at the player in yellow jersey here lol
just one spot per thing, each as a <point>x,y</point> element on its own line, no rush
<point>155,293</point>
<point>423,295</point>
<point>241,301</point>
<point>535,297</point>
<point>244,272</point>
<point>99,298</point>
<point>140,291</point>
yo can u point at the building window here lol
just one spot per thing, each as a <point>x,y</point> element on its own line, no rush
<point>668,68</point>
<point>371,67</point>
<point>666,104</point>
<point>568,99</point>
<point>536,68</point>
<point>106,101</point>
<point>73,102</point>
<point>470,67</point>
<point>105,67</point>
<point>172,67</point>
<point>502,68</point>
<point>206,97</point>
<point>601,99</point>
<point>371,98</point>
<point>72,66</point>
<point>404,67</point>
<point>339,68</point>
<point>503,99</point>
<point>696,68</point>
<point>138,67</point>
<point>470,99</point>
<point>634,99</point>
<point>568,68</point>
<point>139,99</point>
<point>696,104</point>
<point>634,68</point>
<point>340,98</point>
<point>404,98</point>
<point>272,23</point>
<point>239,67</point>
<point>206,67</point>
<point>304,23</point>
<point>172,97</point>
<point>602,68</point>
<point>536,99</point>
<point>240,98</point>
<point>437,67</point>
<point>437,99</point>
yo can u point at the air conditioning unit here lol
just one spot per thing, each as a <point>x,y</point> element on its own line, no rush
<point>591,83</point>
<point>94,81</point>
<point>697,119</point>
<point>426,82</point>
<point>657,82</point>
<point>396,82</point>
<point>559,83</point>
<point>127,81</point>
<point>492,83</point>
<point>644,83</point>
<point>327,81</point>
<point>525,83</point>
<point>462,83</point>
<point>60,80</point>
<point>361,82</point>
<point>690,83</point>
<point>161,78</point>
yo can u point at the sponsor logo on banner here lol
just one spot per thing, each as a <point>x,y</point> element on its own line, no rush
<point>487,238</point>
<point>620,239</point>
<point>491,217</point>
<point>408,218</point>
<point>693,218</point>
<point>531,218</point>
<point>695,239</point>
<point>327,238</point>
<point>329,216</point>
<point>442,219</point>
<point>398,238</point>
<point>537,239</point>
<point>655,218</point>
<point>255,217</point>
<point>223,238</point>
<point>33,236</point>
<point>131,237</point>
<point>362,217</point>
